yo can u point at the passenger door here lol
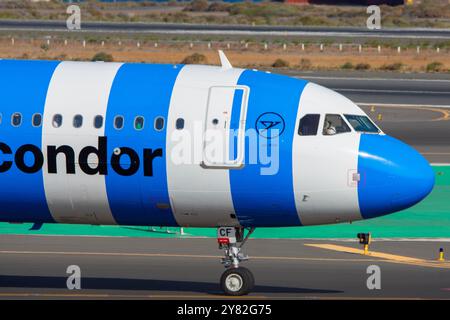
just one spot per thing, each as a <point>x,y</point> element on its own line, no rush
<point>224,129</point>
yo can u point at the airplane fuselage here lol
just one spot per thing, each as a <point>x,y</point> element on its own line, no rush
<point>189,145</point>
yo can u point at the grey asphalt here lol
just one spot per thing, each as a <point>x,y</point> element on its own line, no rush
<point>420,128</point>
<point>211,29</point>
<point>384,87</point>
<point>34,267</point>
<point>392,91</point>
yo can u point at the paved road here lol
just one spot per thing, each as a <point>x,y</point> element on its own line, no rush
<point>385,88</point>
<point>399,91</point>
<point>426,129</point>
<point>168,28</point>
<point>35,267</point>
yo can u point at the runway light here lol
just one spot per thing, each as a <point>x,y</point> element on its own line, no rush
<point>380,117</point>
<point>372,109</point>
<point>441,254</point>
<point>364,239</point>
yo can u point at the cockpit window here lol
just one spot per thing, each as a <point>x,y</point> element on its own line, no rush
<point>334,124</point>
<point>308,125</point>
<point>362,123</point>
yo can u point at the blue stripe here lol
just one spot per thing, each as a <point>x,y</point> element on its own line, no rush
<point>23,88</point>
<point>140,90</point>
<point>268,200</point>
<point>234,123</point>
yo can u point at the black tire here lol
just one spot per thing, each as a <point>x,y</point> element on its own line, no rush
<point>237,281</point>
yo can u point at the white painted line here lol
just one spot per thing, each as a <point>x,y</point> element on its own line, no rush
<point>371,79</point>
<point>356,240</point>
<point>389,91</point>
<point>274,33</point>
<point>440,164</point>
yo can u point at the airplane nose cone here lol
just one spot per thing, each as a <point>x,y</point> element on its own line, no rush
<point>393,176</point>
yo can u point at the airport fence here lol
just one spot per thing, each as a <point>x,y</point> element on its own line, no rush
<point>47,43</point>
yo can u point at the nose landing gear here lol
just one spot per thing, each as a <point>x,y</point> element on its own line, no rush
<point>236,280</point>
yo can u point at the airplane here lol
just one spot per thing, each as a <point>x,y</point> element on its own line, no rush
<point>108,143</point>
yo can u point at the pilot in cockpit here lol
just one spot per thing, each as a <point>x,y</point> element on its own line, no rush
<point>328,129</point>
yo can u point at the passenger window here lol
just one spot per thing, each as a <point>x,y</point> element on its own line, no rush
<point>139,123</point>
<point>16,119</point>
<point>36,120</point>
<point>159,123</point>
<point>334,124</point>
<point>78,121</point>
<point>1,118</point>
<point>308,125</point>
<point>179,124</point>
<point>98,122</point>
<point>118,122</point>
<point>57,120</point>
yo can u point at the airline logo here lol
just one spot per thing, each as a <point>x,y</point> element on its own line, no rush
<point>101,175</point>
<point>270,125</point>
<point>88,167</point>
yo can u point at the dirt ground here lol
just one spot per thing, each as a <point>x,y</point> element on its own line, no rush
<point>421,13</point>
<point>240,54</point>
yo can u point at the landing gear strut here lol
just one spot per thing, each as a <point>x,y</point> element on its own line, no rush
<point>236,280</point>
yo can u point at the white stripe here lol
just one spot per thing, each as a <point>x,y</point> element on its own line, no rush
<point>323,165</point>
<point>77,88</point>
<point>199,196</point>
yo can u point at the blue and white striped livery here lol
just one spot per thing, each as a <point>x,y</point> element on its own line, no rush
<point>130,144</point>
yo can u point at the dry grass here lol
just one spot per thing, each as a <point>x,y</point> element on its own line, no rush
<point>425,13</point>
<point>253,57</point>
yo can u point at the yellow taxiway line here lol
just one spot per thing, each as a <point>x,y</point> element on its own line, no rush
<point>168,255</point>
<point>385,256</point>
<point>445,114</point>
<point>372,256</point>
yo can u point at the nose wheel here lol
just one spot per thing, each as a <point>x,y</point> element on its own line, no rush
<point>236,280</point>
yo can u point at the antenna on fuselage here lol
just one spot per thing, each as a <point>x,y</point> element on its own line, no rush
<point>224,61</point>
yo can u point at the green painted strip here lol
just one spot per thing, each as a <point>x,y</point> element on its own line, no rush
<point>429,219</point>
